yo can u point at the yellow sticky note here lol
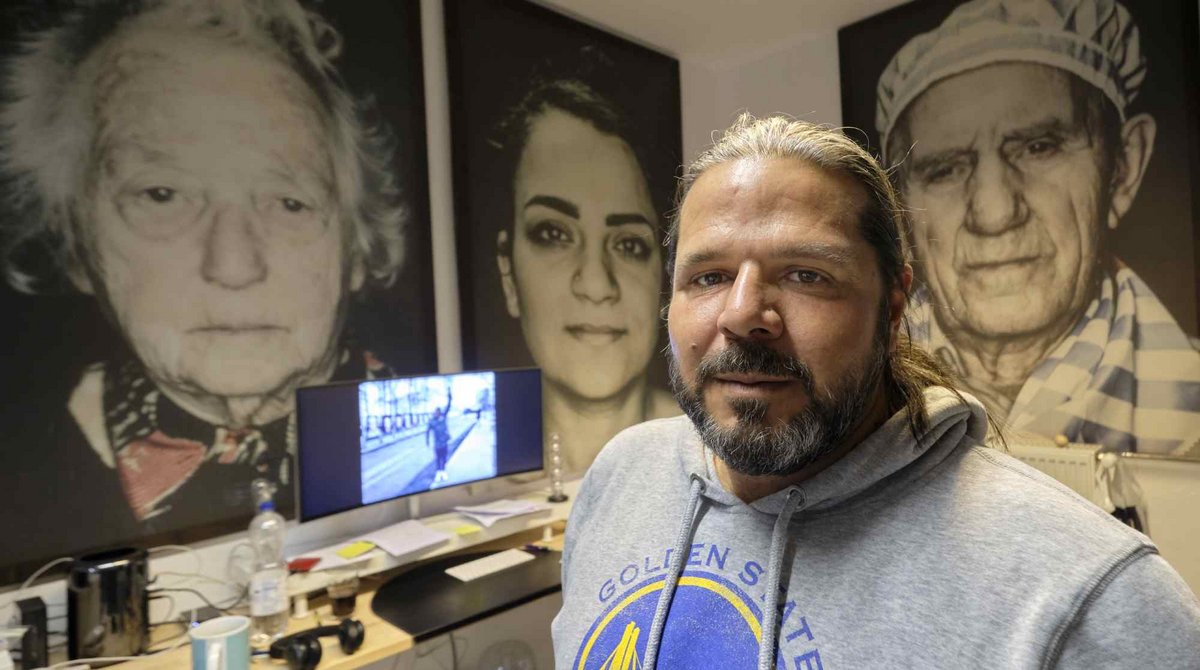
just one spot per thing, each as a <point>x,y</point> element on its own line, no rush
<point>356,549</point>
<point>466,529</point>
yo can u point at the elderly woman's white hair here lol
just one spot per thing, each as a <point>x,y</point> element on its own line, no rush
<point>46,127</point>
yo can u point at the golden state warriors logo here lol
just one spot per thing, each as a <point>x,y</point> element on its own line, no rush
<point>712,623</point>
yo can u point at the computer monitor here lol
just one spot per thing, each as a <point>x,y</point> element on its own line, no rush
<point>365,442</point>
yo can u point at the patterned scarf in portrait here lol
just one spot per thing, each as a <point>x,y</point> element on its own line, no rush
<point>1126,377</point>
<point>153,458</point>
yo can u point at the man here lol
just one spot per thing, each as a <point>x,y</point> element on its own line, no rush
<point>439,429</point>
<point>828,502</point>
<point>201,171</point>
<point>1018,152</point>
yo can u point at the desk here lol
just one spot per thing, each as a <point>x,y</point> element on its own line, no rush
<point>382,640</point>
<point>427,602</point>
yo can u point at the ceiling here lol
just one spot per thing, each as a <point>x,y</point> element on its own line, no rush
<point>714,31</point>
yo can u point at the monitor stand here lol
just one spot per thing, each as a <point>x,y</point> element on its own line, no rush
<point>427,602</point>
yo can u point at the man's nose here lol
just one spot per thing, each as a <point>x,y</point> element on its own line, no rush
<point>996,200</point>
<point>233,250</point>
<point>593,280</point>
<point>750,311</point>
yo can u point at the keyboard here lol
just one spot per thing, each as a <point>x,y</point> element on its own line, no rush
<point>492,563</point>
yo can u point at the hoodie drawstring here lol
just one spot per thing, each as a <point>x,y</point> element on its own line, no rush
<point>672,577</point>
<point>779,540</point>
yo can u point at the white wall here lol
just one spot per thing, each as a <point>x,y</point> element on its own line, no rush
<point>799,78</point>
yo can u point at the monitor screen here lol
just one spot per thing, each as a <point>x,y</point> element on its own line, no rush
<point>367,442</point>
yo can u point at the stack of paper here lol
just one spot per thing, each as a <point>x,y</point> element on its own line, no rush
<point>406,537</point>
<point>489,513</point>
<point>397,539</point>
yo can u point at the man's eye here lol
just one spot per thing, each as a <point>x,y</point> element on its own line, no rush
<point>547,233</point>
<point>293,205</point>
<point>708,279</point>
<point>159,194</point>
<point>807,276</point>
<point>1043,146</point>
<point>946,173</point>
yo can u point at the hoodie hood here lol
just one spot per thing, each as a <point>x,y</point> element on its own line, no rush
<point>888,457</point>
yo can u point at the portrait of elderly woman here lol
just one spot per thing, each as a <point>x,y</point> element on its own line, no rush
<point>202,174</point>
<point>564,211</point>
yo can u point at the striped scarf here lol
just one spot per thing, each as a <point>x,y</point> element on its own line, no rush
<point>1126,377</point>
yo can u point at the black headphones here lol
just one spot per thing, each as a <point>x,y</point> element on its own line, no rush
<point>302,650</point>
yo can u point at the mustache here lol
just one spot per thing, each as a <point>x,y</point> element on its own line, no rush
<point>753,358</point>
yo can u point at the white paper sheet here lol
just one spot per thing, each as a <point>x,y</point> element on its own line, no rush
<point>489,513</point>
<point>406,537</point>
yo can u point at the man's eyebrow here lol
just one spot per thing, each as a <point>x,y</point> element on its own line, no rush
<point>1033,130</point>
<point>821,251</point>
<point>554,203</point>
<point>923,163</point>
<point>622,219</point>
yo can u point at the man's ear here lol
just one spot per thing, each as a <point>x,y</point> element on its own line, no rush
<point>358,272</point>
<point>1137,145</point>
<point>74,265</point>
<point>78,275</point>
<point>897,302</point>
<point>504,264</point>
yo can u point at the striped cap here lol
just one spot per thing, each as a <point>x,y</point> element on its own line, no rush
<point>1095,40</point>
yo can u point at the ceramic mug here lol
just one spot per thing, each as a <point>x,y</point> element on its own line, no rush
<point>222,643</point>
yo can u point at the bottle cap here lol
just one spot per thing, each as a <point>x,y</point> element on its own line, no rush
<point>266,505</point>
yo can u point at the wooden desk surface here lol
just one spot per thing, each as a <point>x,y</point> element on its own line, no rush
<point>382,640</point>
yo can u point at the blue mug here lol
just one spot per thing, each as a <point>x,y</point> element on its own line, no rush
<point>222,643</point>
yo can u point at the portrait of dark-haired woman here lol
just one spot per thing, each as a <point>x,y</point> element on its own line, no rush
<point>581,263</point>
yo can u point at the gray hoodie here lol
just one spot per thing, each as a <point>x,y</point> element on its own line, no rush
<point>928,553</point>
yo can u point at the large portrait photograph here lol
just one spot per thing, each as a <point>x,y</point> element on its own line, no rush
<point>566,143</point>
<point>204,205</point>
<point>1046,151</point>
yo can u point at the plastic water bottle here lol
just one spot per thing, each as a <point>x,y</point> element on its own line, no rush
<point>268,586</point>
<point>6,662</point>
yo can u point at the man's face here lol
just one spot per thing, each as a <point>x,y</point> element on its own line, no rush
<point>1008,195</point>
<point>776,309</point>
<point>586,270</point>
<point>211,220</point>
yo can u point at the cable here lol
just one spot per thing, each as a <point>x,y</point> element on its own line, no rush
<point>453,651</point>
<point>181,549</point>
<point>170,599</point>
<point>201,596</point>
<point>197,576</point>
<point>83,662</point>
<point>44,568</point>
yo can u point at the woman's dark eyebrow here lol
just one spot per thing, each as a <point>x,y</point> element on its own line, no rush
<point>622,219</point>
<point>554,203</point>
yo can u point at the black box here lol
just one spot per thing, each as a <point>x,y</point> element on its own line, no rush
<point>35,651</point>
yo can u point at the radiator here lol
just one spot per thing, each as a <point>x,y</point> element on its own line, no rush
<point>1073,465</point>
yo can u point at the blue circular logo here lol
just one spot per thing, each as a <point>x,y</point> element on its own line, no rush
<point>712,624</point>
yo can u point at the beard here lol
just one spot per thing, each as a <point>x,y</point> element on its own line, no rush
<point>755,446</point>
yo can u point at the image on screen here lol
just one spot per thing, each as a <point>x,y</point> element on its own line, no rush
<point>424,433</point>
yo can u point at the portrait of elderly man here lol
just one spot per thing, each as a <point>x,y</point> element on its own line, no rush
<point>1019,151</point>
<point>201,171</point>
